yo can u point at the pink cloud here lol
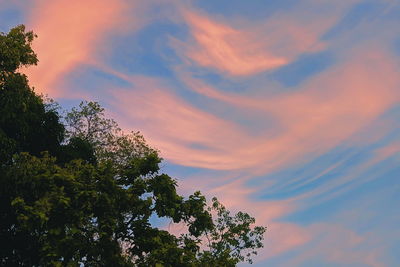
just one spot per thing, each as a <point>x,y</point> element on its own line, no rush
<point>227,49</point>
<point>280,236</point>
<point>325,112</point>
<point>68,34</point>
<point>310,121</point>
<point>387,151</point>
<point>324,241</point>
<point>192,136</point>
<point>322,113</point>
<point>337,244</point>
<point>246,48</point>
<point>235,195</point>
<point>175,127</point>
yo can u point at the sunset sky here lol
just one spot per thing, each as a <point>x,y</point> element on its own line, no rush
<point>286,109</point>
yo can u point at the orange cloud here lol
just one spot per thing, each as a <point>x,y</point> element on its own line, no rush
<point>68,34</point>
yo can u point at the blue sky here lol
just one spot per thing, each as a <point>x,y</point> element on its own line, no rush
<point>288,110</point>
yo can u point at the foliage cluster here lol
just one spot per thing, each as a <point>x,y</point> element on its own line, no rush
<point>76,190</point>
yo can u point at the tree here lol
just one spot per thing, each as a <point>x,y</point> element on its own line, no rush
<point>86,194</point>
<point>26,123</point>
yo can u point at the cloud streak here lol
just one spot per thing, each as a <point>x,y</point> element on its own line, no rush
<point>309,122</point>
<point>246,48</point>
<point>263,148</point>
<point>68,33</point>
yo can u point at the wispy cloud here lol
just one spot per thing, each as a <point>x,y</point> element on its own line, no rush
<point>246,47</point>
<point>69,32</point>
<point>222,47</point>
<point>336,244</point>
<point>312,120</point>
<point>241,141</point>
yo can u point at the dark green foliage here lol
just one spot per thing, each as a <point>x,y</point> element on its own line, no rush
<point>15,49</point>
<point>25,122</point>
<point>83,192</point>
<point>76,148</point>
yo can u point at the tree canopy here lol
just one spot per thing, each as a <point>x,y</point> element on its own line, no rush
<point>76,189</point>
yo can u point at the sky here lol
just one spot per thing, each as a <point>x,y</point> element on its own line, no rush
<point>288,110</point>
